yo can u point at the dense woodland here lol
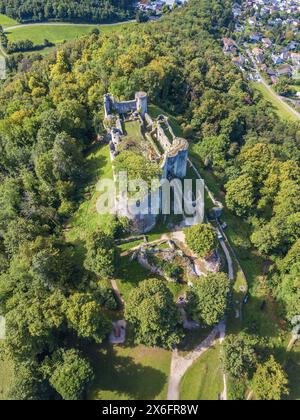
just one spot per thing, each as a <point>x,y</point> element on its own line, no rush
<point>93,11</point>
<point>50,111</point>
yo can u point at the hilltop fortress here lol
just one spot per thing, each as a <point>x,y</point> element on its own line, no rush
<point>140,104</point>
<point>131,127</point>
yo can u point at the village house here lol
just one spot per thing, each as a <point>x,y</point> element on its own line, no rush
<point>267,42</point>
<point>238,60</point>
<point>263,67</point>
<point>277,59</point>
<point>236,10</point>
<point>229,44</point>
<point>295,58</point>
<point>284,53</point>
<point>285,70</point>
<point>252,21</point>
<point>274,80</point>
<point>255,37</point>
<point>258,54</point>
<point>239,27</point>
<point>265,11</point>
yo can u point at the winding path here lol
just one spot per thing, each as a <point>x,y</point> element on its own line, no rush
<point>229,259</point>
<point>180,364</point>
<point>117,292</point>
<point>27,25</point>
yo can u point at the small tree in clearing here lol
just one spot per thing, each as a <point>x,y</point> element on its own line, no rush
<point>201,239</point>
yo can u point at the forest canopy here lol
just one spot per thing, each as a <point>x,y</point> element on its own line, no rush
<point>93,11</point>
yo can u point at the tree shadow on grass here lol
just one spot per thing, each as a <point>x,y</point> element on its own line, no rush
<point>125,378</point>
<point>94,167</point>
<point>96,163</point>
<point>259,317</point>
<point>293,372</point>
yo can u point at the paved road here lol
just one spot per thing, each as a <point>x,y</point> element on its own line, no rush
<point>272,92</point>
<point>229,259</point>
<point>27,25</point>
<point>283,103</point>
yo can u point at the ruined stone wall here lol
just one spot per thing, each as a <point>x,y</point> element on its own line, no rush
<point>140,103</point>
<point>125,107</point>
<point>142,223</point>
<point>148,120</point>
<point>180,165</point>
<point>162,137</point>
<point>174,159</point>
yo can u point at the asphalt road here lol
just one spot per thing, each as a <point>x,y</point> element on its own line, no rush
<point>272,92</point>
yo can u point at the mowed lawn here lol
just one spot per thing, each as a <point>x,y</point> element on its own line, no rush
<point>6,376</point>
<point>204,380</point>
<point>293,371</point>
<point>87,219</point>
<point>121,372</point>
<point>129,373</point>
<point>130,274</point>
<point>6,21</point>
<point>133,131</point>
<point>57,34</point>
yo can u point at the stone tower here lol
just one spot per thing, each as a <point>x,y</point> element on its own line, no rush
<point>142,102</point>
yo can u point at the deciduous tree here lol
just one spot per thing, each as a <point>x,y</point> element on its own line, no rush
<point>202,239</point>
<point>153,314</point>
<point>270,381</point>
<point>208,299</point>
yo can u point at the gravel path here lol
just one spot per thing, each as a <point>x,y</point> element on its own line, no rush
<point>117,292</point>
<point>180,364</point>
<point>28,25</point>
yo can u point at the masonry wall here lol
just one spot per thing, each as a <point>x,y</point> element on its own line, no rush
<point>125,107</point>
<point>175,160</point>
<point>162,138</point>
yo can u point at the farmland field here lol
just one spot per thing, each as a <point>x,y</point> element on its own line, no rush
<point>57,33</point>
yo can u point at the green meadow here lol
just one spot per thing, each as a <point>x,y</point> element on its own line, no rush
<point>57,34</point>
<point>6,21</point>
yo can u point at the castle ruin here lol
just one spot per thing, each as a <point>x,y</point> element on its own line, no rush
<point>153,138</point>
